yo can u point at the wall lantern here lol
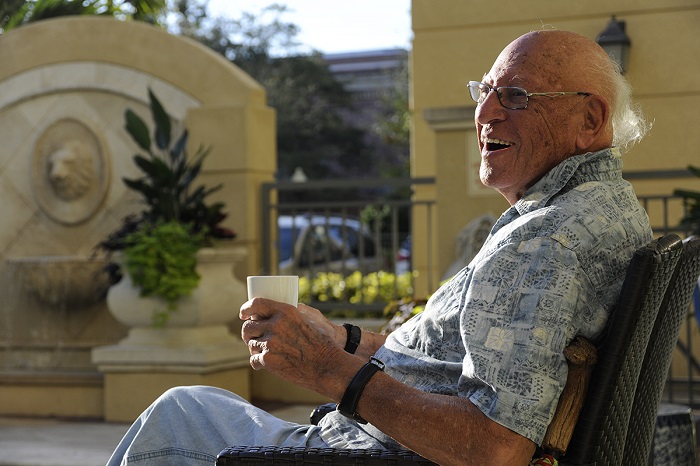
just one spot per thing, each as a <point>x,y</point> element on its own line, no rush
<point>615,42</point>
<point>299,176</point>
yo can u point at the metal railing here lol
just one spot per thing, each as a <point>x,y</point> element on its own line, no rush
<point>359,226</point>
<point>683,382</point>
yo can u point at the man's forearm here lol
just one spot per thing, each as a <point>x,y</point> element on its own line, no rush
<point>444,429</point>
<point>369,344</point>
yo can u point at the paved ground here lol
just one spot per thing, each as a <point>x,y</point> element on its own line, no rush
<point>51,442</point>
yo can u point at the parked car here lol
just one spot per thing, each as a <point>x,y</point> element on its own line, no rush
<point>312,244</point>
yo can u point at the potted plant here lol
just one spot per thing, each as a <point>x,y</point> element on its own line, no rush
<point>160,245</point>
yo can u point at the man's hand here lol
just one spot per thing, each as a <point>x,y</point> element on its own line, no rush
<point>297,343</point>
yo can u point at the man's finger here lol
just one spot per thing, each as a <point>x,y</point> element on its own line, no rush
<point>256,361</point>
<point>251,329</point>
<point>253,309</point>
<point>260,308</point>
<point>256,347</point>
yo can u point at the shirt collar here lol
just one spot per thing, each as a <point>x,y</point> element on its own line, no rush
<point>601,165</point>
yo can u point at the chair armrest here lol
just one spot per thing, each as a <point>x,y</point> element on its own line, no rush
<point>581,355</point>
<point>304,455</point>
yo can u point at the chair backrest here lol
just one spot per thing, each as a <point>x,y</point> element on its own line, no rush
<point>600,433</point>
<point>657,358</point>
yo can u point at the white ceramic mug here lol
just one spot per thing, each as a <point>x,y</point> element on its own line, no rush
<point>283,288</point>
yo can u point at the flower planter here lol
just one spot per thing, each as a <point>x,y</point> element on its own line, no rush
<point>214,302</point>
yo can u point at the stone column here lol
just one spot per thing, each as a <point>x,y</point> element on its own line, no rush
<point>150,361</point>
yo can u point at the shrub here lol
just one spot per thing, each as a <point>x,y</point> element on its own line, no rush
<point>376,287</point>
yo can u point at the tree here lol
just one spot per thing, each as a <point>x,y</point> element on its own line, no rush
<point>250,38</point>
<point>393,127</point>
<point>308,99</point>
<point>14,13</point>
<point>311,132</point>
<point>9,8</point>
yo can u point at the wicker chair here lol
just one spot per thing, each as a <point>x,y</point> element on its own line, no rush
<point>600,433</point>
<point>657,358</point>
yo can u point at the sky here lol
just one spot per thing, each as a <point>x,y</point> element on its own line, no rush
<point>334,26</point>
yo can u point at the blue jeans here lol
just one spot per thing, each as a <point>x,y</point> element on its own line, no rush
<point>191,425</point>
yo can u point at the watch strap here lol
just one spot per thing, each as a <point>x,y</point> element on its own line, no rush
<point>348,404</point>
<point>354,337</point>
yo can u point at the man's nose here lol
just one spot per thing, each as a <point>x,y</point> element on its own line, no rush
<point>490,109</point>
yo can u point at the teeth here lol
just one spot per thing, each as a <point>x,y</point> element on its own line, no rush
<point>497,141</point>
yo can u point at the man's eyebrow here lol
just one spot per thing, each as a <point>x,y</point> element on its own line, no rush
<point>515,81</point>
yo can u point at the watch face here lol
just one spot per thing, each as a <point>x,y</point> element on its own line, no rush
<point>377,362</point>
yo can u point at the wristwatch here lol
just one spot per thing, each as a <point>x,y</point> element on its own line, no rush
<point>354,337</point>
<point>348,404</point>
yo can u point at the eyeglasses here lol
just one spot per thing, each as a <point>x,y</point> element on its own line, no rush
<point>514,98</point>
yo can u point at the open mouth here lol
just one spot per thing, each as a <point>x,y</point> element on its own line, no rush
<point>493,145</point>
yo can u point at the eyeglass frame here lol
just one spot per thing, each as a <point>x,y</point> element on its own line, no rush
<point>497,89</point>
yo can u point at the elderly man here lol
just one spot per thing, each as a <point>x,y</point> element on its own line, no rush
<point>476,377</point>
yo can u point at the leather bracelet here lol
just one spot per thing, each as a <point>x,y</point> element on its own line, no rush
<point>348,404</point>
<point>354,337</point>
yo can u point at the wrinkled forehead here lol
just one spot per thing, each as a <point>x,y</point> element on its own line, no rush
<point>536,59</point>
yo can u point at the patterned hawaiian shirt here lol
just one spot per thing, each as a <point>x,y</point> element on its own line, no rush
<point>551,269</point>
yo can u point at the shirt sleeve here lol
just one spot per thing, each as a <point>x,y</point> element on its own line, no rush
<point>526,302</point>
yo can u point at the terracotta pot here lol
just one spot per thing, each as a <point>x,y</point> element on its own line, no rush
<point>215,301</point>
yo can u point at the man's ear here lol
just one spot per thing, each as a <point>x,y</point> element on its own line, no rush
<point>595,132</point>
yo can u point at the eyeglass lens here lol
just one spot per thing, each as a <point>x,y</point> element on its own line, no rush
<point>509,97</point>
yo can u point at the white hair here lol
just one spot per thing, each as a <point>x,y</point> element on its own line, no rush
<point>628,123</point>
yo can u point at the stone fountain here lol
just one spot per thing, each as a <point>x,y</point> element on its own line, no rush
<point>55,308</point>
<point>64,86</point>
<point>53,315</point>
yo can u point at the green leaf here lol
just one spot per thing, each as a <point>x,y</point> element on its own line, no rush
<point>138,130</point>
<point>162,120</point>
<point>213,189</point>
<point>178,150</point>
<point>140,186</point>
<point>192,173</point>
<point>155,168</point>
